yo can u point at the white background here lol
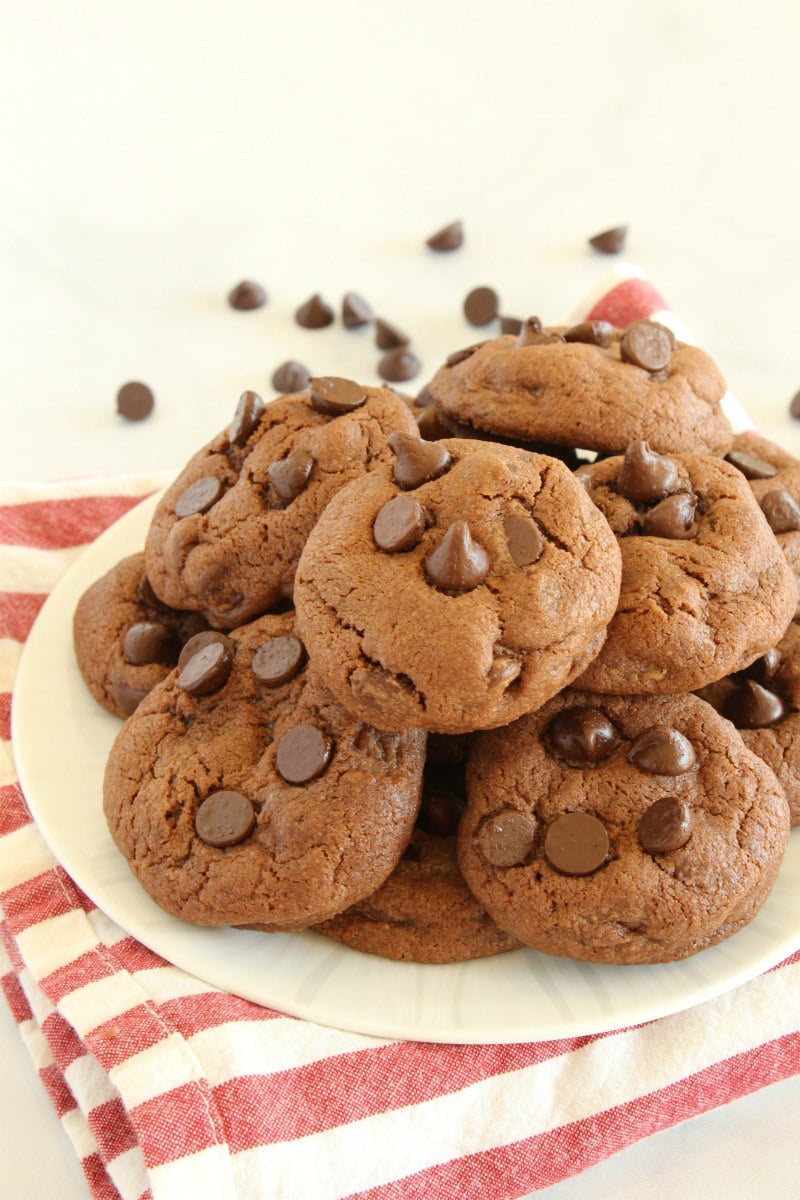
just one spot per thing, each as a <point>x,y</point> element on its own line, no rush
<point>155,153</point>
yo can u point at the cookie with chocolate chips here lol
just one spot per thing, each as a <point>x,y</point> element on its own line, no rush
<point>456,588</point>
<point>126,641</point>
<point>621,829</point>
<point>227,534</point>
<point>705,588</point>
<point>240,791</point>
<point>588,385</point>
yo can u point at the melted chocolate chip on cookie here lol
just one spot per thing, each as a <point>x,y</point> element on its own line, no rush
<point>246,418</point>
<point>417,461</point>
<point>576,844</point>
<point>672,517</point>
<point>647,346</point>
<point>645,475</point>
<point>506,838</point>
<point>458,563</point>
<point>666,825</point>
<point>205,663</point>
<point>303,753</point>
<point>333,396</point>
<point>583,737</point>
<point>781,510</point>
<point>279,660</point>
<point>224,819</point>
<point>198,497</point>
<point>662,750</point>
<point>399,525</point>
<point>290,476</point>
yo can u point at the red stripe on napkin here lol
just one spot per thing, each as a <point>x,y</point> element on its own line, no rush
<point>18,611</point>
<point>60,524</point>
<point>13,811</point>
<point>5,716</point>
<point>193,1125</point>
<point>631,300</point>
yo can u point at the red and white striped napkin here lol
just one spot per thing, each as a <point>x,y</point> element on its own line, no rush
<point>171,1089</point>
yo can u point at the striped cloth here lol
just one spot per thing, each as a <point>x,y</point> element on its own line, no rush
<point>171,1089</point>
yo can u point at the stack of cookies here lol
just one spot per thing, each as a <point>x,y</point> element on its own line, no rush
<point>511,663</point>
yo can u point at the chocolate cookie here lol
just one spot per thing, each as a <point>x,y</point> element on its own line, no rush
<point>457,588</point>
<point>425,912</point>
<point>705,588</point>
<point>621,829</point>
<point>590,386</point>
<point>227,534</point>
<point>240,791</point>
<point>126,641</point>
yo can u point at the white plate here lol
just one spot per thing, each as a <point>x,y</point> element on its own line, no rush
<point>61,741</point>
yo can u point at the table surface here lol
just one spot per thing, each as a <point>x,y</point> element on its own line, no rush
<point>155,155</point>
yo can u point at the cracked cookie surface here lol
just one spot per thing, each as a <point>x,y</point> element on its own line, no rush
<point>458,588</point>
<point>240,791</point>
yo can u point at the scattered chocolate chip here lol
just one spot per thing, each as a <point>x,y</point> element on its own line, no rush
<point>763,669</point>
<point>459,356</point>
<point>278,660</point>
<point>417,460</point>
<point>751,706</point>
<point>198,497</point>
<point>458,563</point>
<point>672,517</point>
<point>355,311</point>
<point>592,333</point>
<point>440,811</point>
<point>247,295</point>
<point>334,396</point>
<point>662,750</point>
<point>246,418</point>
<point>126,697</point>
<point>314,313</point>
<point>205,664</point>
<point>750,465</point>
<point>450,237</point>
<point>388,336</point>
<point>303,754</point>
<point>224,819</point>
<point>512,325</point>
<point>204,638</point>
<point>781,510</point>
<point>135,401</point>
<point>666,825</point>
<point>398,365</point>
<point>150,642</point>
<point>645,475</point>
<point>506,839</point>
<point>610,241</point>
<point>525,539</point>
<point>481,305</point>
<point>289,476</point>
<point>794,406</point>
<point>646,345</point>
<point>399,525</point>
<point>576,844</point>
<point>583,736</point>
<point>291,377</point>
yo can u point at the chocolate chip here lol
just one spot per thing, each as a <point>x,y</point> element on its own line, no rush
<point>303,754</point>
<point>481,305</point>
<point>430,425</point>
<point>247,295</point>
<point>781,510</point>
<point>198,497</point>
<point>576,844</point>
<point>147,596</point>
<point>459,356</point>
<point>751,466</point>
<point>591,333</point>
<point>506,839</point>
<point>582,736</point>
<point>666,825</point>
<point>314,313</point>
<point>440,811</point>
<point>512,325</point>
<point>751,706</point>
<point>763,669</point>
<point>645,475</point>
<point>205,664</point>
<point>291,377</point>
<point>533,334</point>
<point>662,750</point>
<point>417,460</point>
<point>610,241</point>
<point>224,819</point>
<point>503,671</point>
<point>135,401</point>
<point>388,336</point>
<point>355,311</point>
<point>794,406</point>
<point>289,476</point>
<point>672,517</point>
<point>278,660</point>
<point>150,642</point>
<point>585,478</point>
<point>126,697</point>
<point>399,525</point>
<point>246,418</point>
<point>646,345</point>
<point>334,396</point>
<point>458,563</point>
<point>525,540</point>
<point>398,365</point>
<point>450,237</point>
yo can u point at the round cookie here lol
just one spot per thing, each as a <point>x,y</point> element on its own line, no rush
<point>705,588</point>
<point>457,588</point>
<point>227,534</point>
<point>425,912</point>
<point>126,641</point>
<point>240,791</point>
<point>621,829</point>
<point>590,386</point>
